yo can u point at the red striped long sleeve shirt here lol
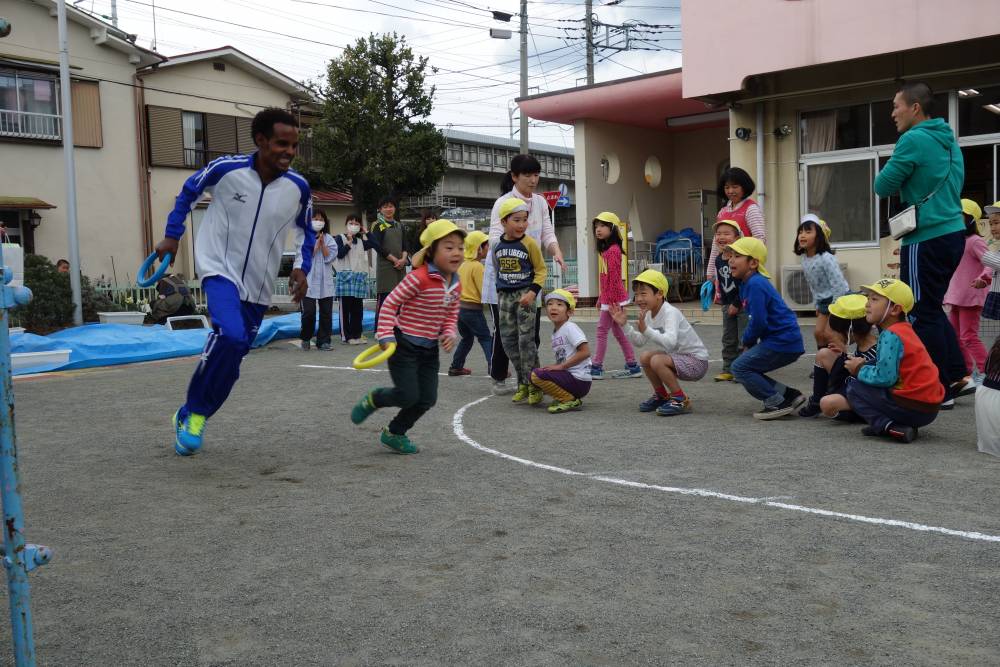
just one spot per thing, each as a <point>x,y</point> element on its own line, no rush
<point>422,306</point>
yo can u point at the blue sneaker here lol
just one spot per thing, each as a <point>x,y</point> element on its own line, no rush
<point>188,432</point>
<point>674,407</point>
<point>630,371</point>
<point>652,403</point>
<point>363,409</point>
<point>596,372</point>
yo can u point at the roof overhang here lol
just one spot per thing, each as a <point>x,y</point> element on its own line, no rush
<point>237,58</point>
<point>105,34</point>
<point>647,101</point>
<point>22,203</point>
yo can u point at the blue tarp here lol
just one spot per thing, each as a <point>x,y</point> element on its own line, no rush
<point>111,344</point>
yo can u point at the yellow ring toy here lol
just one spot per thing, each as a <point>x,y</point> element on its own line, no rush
<point>366,360</point>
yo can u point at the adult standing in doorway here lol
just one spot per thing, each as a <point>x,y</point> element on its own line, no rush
<point>388,238</point>
<point>521,182</point>
<point>926,161</point>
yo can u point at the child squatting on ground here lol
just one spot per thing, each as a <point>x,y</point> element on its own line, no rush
<point>521,274</point>
<point>568,380</point>
<point>901,391</point>
<point>727,295</point>
<point>772,339</point>
<point>610,236</point>
<point>418,315</point>
<point>676,353</point>
<point>472,324</point>
<point>848,324</point>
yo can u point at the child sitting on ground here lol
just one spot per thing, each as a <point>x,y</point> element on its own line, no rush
<point>472,324</point>
<point>677,353</point>
<point>901,391</point>
<point>847,323</point>
<point>988,404</point>
<point>568,380</point>
<point>727,294</point>
<point>419,314</point>
<point>772,338</point>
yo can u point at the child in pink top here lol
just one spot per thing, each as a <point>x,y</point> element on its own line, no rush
<point>967,291</point>
<point>608,232</point>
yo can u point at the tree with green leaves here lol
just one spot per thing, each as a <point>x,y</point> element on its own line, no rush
<point>373,138</point>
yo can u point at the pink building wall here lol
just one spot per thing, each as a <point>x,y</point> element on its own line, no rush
<point>787,34</point>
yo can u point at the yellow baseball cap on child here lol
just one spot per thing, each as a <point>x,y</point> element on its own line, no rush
<point>895,290</point>
<point>511,205</point>
<point>654,278</point>
<point>732,223</point>
<point>970,207</point>
<point>849,307</point>
<point>434,231</point>
<point>748,246</point>
<point>562,295</point>
<point>472,243</point>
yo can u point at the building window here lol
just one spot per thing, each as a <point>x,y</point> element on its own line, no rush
<point>29,106</point>
<point>454,152</point>
<point>841,193</point>
<point>194,139</point>
<point>470,155</point>
<point>979,111</point>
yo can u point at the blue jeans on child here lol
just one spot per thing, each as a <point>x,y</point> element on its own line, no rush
<point>749,369</point>
<point>234,327</point>
<point>472,326</point>
<point>877,407</point>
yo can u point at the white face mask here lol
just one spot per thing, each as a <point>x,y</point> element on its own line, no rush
<point>353,229</point>
<point>318,225</point>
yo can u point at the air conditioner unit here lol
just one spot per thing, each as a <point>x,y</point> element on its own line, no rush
<point>795,290</point>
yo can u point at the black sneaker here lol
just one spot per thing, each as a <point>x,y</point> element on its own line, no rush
<point>793,399</point>
<point>948,404</point>
<point>651,403</point>
<point>901,433</point>
<point>810,409</point>
<point>963,387</point>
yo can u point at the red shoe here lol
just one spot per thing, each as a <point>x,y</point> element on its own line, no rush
<point>454,372</point>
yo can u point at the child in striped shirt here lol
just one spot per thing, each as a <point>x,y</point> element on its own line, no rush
<point>420,314</point>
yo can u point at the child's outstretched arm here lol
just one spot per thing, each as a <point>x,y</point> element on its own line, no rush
<point>885,371</point>
<point>667,339</point>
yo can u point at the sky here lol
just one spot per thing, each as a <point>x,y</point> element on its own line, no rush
<point>477,78</point>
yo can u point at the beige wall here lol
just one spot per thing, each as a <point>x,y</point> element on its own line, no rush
<point>107,178</point>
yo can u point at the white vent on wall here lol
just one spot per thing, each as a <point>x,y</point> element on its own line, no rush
<point>795,290</point>
<point>470,225</point>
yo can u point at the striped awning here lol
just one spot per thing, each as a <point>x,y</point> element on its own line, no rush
<point>23,202</point>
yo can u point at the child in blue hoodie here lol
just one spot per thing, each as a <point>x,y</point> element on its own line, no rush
<point>772,338</point>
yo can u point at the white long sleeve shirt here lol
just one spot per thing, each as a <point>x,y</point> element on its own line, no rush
<point>320,278</point>
<point>540,228</point>
<point>670,331</point>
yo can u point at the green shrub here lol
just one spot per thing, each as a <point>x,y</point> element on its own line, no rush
<point>51,305</point>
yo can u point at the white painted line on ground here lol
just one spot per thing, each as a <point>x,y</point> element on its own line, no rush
<point>459,429</point>
<point>366,370</point>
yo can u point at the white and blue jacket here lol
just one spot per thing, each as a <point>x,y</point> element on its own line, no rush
<point>242,235</point>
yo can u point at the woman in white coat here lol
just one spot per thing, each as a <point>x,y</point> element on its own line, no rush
<point>320,287</point>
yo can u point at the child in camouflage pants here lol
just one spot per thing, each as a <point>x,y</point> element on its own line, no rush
<point>521,273</point>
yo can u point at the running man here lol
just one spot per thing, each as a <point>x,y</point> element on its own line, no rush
<point>256,199</point>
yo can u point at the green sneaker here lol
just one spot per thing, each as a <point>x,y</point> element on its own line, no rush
<point>398,443</point>
<point>535,395</point>
<point>364,408</point>
<point>566,406</point>
<point>520,394</point>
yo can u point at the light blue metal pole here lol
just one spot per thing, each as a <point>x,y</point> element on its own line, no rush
<point>19,557</point>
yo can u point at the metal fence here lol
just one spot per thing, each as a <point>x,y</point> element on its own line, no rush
<point>30,125</point>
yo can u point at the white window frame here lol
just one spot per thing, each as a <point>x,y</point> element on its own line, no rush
<point>814,160</point>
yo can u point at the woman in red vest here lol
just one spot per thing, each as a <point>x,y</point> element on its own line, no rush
<point>736,186</point>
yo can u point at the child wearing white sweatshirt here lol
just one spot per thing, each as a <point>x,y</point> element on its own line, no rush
<point>676,352</point>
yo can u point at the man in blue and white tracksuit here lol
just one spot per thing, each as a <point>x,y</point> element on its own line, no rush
<point>256,200</point>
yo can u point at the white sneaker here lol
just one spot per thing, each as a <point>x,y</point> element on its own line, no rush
<point>354,341</point>
<point>500,388</point>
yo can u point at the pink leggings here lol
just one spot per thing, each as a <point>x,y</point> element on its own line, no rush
<point>965,321</point>
<point>603,324</point>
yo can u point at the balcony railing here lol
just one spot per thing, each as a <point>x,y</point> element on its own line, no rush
<point>29,125</point>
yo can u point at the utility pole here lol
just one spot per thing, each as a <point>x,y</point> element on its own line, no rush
<point>589,22</point>
<point>524,73</point>
<point>114,13</point>
<point>66,98</point>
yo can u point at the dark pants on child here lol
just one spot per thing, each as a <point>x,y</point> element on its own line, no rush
<point>472,326</point>
<point>732,331</point>
<point>499,362</point>
<point>351,314</point>
<point>927,267</point>
<point>234,327</point>
<point>750,367</point>
<point>325,330</point>
<point>414,372</point>
<point>877,407</point>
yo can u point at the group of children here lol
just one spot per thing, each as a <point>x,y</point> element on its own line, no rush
<point>887,380</point>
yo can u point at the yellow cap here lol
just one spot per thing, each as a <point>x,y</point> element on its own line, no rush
<point>732,223</point>
<point>609,217</point>
<point>970,207</point>
<point>472,243</point>
<point>434,231</point>
<point>511,205</point>
<point>993,208</point>
<point>895,290</point>
<point>812,217</point>
<point>748,246</point>
<point>849,307</point>
<point>562,295</point>
<point>653,278</point>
